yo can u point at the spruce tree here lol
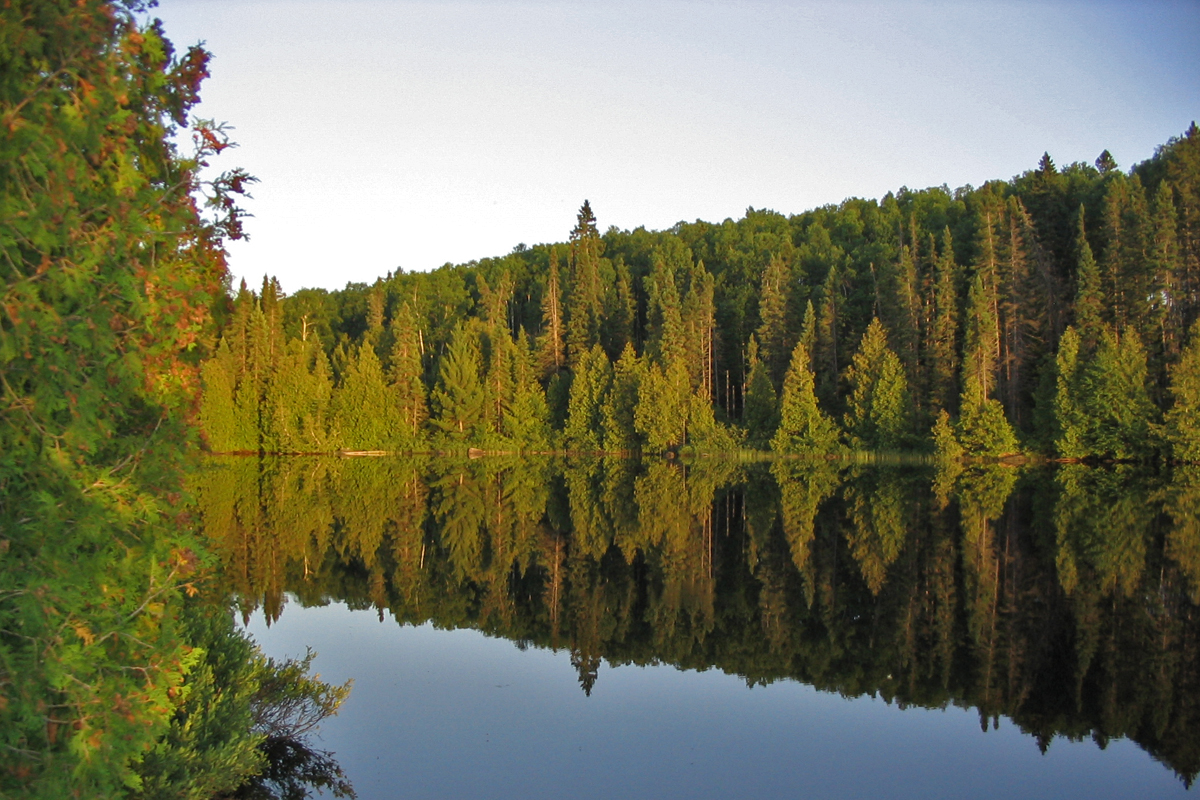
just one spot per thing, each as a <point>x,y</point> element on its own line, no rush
<point>661,416</point>
<point>1089,304</point>
<point>458,398</point>
<point>218,419</point>
<point>1070,420</point>
<point>877,413</point>
<point>552,343</point>
<point>1183,418</point>
<point>1115,398</point>
<point>585,308</point>
<point>527,420</point>
<point>589,386</point>
<point>773,318</point>
<point>803,427</point>
<point>828,330</point>
<point>1164,323</point>
<point>699,328</point>
<point>620,404</point>
<point>760,412</point>
<point>941,345</point>
<point>364,412</point>
<point>404,376</point>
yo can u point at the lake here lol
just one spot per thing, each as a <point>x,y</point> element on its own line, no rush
<point>607,627</point>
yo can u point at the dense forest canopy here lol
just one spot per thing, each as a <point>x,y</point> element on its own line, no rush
<point>1055,312</point>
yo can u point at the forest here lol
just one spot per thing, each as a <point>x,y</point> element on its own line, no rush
<point>1060,597</point>
<point>1053,314</point>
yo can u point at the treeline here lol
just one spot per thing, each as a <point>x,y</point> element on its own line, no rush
<point>1064,599</point>
<point>1055,312</point>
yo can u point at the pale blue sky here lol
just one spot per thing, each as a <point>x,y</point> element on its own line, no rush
<point>398,134</point>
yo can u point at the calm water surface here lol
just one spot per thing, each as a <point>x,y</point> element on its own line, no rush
<point>613,629</point>
<point>458,714</point>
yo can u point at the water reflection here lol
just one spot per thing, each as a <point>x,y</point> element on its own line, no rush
<point>1063,599</point>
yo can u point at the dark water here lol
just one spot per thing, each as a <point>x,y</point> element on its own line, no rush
<point>530,628</point>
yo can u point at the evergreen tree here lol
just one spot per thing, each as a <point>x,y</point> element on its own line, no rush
<point>803,427</point>
<point>877,414</point>
<point>666,341</point>
<point>527,421</point>
<point>552,343</point>
<point>828,330</point>
<point>941,346</point>
<point>1115,399</point>
<point>620,404</point>
<point>1164,330</point>
<point>364,412</point>
<point>773,318</point>
<point>218,415</point>
<point>585,309</point>
<point>1183,418</point>
<point>1089,306</point>
<point>404,376</point>
<point>1070,422</point>
<point>589,386</point>
<point>699,329</point>
<point>458,399</point>
<point>760,413</point>
<point>661,416</point>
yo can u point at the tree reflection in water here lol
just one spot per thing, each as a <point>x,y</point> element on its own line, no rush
<point>1064,599</point>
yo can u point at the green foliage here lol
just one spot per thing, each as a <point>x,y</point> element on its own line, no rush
<point>365,415</point>
<point>664,402</point>
<point>589,387</point>
<point>803,427</point>
<point>982,429</point>
<point>458,399</point>
<point>620,404</point>
<point>877,415</point>
<point>1182,426</point>
<point>946,447</point>
<point>761,412</point>
<point>981,323</point>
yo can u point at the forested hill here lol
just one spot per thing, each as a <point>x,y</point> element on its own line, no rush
<point>1055,312</point>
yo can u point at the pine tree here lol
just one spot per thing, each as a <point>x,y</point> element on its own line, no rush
<point>1115,399</point>
<point>458,398</point>
<point>699,329</point>
<point>552,343</point>
<point>1070,422</point>
<point>404,376</point>
<point>218,419</point>
<point>877,415</point>
<point>585,309</point>
<point>803,427</point>
<point>1089,305</point>
<point>364,413</point>
<point>760,412</point>
<point>773,316</point>
<point>589,386</point>
<point>620,404</point>
<point>941,346</point>
<point>661,416</point>
<point>1183,418</point>
<point>527,421</point>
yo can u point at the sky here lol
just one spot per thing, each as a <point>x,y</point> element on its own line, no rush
<point>407,135</point>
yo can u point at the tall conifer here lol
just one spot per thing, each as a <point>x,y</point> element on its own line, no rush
<point>877,413</point>
<point>803,427</point>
